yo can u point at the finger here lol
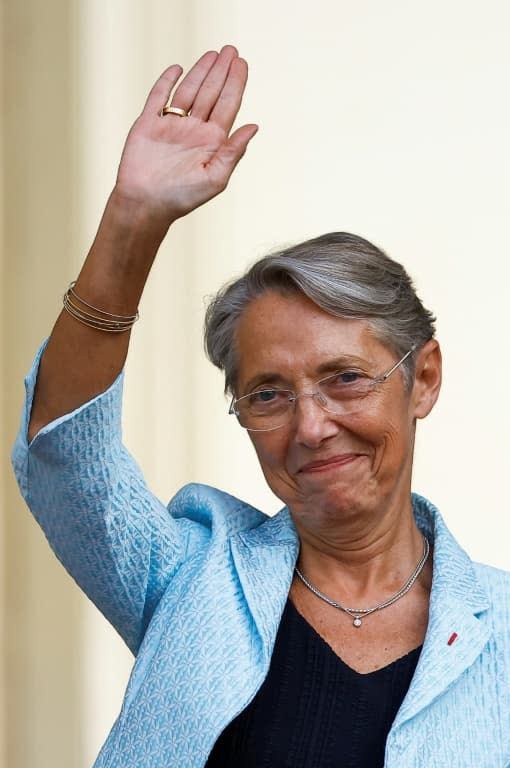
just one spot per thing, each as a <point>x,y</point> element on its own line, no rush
<point>187,90</point>
<point>213,84</point>
<point>161,89</point>
<point>229,154</point>
<point>228,103</point>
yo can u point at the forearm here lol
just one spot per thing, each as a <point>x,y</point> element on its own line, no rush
<point>79,361</point>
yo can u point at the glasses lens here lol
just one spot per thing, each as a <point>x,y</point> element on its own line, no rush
<point>265,409</point>
<point>343,392</point>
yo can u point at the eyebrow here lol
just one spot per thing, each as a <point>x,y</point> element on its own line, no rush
<point>342,362</point>
<point>271,378</point>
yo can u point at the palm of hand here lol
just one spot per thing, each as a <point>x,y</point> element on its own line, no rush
<point>171,161</point>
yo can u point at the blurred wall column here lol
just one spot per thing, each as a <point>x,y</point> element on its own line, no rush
<point>41,605</point>
<point>3,444</point>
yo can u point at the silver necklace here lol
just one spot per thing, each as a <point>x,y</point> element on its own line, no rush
<point>357,614</point>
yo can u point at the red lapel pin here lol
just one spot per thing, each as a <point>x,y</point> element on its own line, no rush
<point>453,638</point>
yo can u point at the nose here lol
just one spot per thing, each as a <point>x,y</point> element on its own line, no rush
<point>312,424</point>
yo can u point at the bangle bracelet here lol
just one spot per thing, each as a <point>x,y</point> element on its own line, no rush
<point>122,318</point>
<point>100,320</point>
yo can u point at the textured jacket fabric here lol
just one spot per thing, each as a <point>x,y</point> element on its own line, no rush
<point>197,591</point>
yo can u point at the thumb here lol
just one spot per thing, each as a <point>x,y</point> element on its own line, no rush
<point>232,150</point>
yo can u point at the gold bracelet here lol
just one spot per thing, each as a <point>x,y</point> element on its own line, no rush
<point>102,321</point>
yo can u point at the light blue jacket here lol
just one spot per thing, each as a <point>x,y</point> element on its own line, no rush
<point>197,591</point>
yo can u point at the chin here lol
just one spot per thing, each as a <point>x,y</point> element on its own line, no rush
<point>333,503</point>
<point>341,506</point>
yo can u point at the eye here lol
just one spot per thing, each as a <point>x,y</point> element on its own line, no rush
<point>263,402</point>
<point>345,385</point>
<point>345,377</point>
<point>263,396</point>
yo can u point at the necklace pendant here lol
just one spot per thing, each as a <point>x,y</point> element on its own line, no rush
<point>357,622</point>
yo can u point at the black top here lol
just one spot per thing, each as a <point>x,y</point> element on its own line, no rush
<point>314,711</point>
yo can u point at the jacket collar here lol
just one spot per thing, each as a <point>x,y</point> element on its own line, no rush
<point>265,558</point>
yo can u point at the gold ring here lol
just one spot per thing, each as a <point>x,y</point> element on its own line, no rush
<point>174,111</point>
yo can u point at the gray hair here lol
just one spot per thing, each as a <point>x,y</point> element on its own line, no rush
<point>341,273</point>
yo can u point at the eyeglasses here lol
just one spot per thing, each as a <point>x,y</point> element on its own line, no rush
<point>342,393</point>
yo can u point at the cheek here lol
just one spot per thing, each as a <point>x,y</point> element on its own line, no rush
<point>393,443</point>
<point>271,452</point>
<point>386,433</point>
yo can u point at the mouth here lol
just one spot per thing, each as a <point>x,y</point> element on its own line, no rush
<point>333,462</point>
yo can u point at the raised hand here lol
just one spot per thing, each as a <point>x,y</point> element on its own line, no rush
<point>173,164</point>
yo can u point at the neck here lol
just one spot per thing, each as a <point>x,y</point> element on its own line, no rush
<point>363,557</point>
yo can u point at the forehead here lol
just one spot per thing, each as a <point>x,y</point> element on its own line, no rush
<point>291,336</point>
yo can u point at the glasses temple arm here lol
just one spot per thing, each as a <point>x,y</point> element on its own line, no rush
<point>386,375</point>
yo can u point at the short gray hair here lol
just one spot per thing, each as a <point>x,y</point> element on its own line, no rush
<point>343,274</point>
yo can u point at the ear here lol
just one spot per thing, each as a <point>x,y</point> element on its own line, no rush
<point>427,379</point>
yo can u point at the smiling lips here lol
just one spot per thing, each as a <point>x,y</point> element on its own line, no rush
<point>330,463</point>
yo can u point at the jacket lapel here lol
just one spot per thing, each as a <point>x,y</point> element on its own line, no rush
<point>265,558</point>
<point>456,633</point>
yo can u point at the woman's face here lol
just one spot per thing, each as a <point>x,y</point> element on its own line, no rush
<point>323,464</point>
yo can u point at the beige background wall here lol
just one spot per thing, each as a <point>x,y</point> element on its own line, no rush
<point>387,119</point>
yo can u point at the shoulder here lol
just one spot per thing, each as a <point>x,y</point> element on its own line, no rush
<point>496,584</point>
<point>222,514</point>
<point>495,580</point>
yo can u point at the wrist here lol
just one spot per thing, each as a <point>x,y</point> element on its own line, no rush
<point>147,218</point>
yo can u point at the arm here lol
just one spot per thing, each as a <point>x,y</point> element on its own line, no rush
<point>170,165</point>
<point>116,539</point>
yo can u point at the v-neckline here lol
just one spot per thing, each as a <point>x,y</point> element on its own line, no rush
<point>318,637</point>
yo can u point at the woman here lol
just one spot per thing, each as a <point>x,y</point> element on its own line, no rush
<point>350,629</point>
